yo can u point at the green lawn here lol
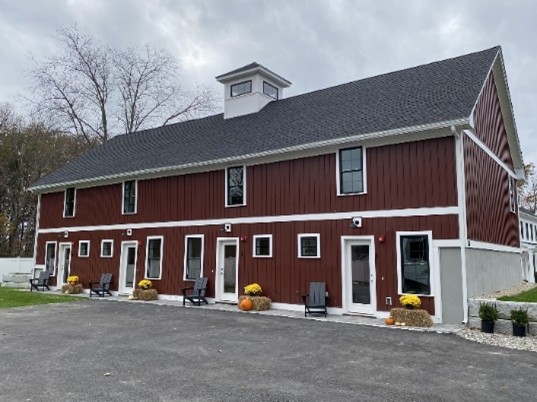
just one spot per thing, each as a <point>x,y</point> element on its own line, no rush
<point>529,296</point>
<point>16,298</point>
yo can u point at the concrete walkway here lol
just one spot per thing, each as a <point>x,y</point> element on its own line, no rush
<point>346,319</point>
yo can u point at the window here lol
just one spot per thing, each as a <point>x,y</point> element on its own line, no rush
<point>69,202</point>
<point>512,194</point>
<point>235,186</point>
<point>193,257</point>
<point>415,270</point>
<point>50,257</point>
<point>129,197</point>
<point>308,245</point>
<point>351,178</point>
<point>263,246</point>
<point>153,263</point>
<point>107,248</point>
<point>522,230</point>
<point>241,88</point>
<point>270,90</point>
<point>83,248</point>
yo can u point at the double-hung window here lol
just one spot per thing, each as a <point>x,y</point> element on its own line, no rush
<point>83,248</point>
<point>69,202</point>
<point>129,197</point>
<point>351,171</point>
<point>153,263</point>
<point>235,186</point>
<point>107,248</point>
<point>263,246</point>
<point>414,263</point>
<point>309,245</point>
<point>193,256</point>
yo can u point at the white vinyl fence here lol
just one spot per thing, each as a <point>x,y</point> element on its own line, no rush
<point>16,265</point>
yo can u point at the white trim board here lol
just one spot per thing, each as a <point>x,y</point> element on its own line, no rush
<point>390,213</point>
<point>479,245</point>
<point>491,154</point>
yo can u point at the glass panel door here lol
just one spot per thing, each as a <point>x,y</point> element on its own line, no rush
<point>226,280</point>
<point>129,276</point>
<point>360,274</point>
<point>230,262</point>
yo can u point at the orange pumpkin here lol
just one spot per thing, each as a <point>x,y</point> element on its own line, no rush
<point>246,304</point>
<point>389,321</point>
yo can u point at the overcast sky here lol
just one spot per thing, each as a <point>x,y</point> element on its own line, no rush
<point>313,44</point>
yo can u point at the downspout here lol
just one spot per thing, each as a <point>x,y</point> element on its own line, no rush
<point>461,190</point>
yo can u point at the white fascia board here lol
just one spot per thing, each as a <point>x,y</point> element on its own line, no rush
<point>250,158</point>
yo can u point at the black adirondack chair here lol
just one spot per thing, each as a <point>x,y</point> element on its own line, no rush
<point>315,300</point>
<point>41,282</point>
<point>197,292</point>
<point>101,288</point>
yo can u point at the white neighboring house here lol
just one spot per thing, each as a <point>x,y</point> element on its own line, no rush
<point>528,244</point>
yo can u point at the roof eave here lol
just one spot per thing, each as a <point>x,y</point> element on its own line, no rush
<point>458,123</point>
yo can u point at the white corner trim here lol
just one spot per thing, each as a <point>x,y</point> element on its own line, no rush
<point>479,245</point>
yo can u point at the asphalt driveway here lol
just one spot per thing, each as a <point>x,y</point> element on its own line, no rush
<point>113,351</point>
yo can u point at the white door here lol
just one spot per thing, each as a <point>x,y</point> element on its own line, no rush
<point>227,263</point>
<point>127,267</point>
<point>64,266</point>
<point>359,284</point>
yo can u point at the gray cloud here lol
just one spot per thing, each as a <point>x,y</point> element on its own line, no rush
<point>313,43</point>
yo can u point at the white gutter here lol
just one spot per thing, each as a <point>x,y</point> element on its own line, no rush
<point>242,158</point>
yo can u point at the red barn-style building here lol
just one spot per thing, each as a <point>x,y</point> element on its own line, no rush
<point>399,183</point>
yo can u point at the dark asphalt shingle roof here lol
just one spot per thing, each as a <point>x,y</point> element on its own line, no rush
<point>432,93</point>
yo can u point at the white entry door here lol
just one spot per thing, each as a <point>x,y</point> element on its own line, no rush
<point>64,265</point>
<point>127,267</point>
<point>227,263</point>
<point>359,284</point>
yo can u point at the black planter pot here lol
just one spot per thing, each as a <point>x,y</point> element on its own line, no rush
<point>487,327</point>
<point>519,330</point>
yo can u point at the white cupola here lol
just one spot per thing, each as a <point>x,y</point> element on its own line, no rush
<point>249,89</point>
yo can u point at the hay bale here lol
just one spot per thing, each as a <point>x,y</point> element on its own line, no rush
<point>145,294</point>
<point>72,290</point>
<point>260,303</point>
<point>414,318</point>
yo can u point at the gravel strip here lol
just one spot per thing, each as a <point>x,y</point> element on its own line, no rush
<point>506,341</point>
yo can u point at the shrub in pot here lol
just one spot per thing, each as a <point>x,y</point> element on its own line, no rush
<point>519,318</point>
<point>489,315</point>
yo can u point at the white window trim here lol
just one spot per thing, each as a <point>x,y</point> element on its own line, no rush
<point>429,235</point>
<point>202,237</point>
<point>55,256</point>
<point>135,198</point>
<point>65,203</point>
<point>111,248</point>
<point>254,248</point>
<point>243,186</point>
<point>512,194</point>
<point>79,248</point>
<point>147,255</point>
<point>299,244</point>
<point>364,172</point>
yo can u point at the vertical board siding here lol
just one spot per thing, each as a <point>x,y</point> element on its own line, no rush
<point>284,277</point>
<point>408,175</point>
<point>489,218</point>
<point>489,124</point>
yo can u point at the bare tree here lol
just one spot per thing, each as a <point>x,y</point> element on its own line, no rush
<point>96,91</point>
<point>27,152</point>
<point>527,189</point>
